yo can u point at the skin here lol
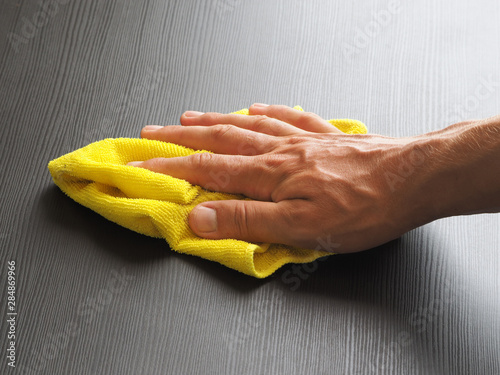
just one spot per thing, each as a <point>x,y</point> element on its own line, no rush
<point>313,185</point>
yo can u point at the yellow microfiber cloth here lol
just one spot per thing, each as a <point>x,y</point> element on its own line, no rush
<point>157,205</point>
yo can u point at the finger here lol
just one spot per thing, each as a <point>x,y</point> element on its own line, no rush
<point>251,221</point>
<point>221,139</point>
<point>236,174</point>
<point>260,124</point>
<point>307,121</point>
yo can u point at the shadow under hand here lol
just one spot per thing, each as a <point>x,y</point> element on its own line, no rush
<point>121,242</point>
<point>412,283</point>
<point>128,245</point>
<point>356,276</point>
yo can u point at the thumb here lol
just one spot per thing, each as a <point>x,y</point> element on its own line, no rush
<point>251,221</point>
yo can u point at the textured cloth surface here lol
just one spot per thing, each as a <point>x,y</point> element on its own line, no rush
<point>158,205</point>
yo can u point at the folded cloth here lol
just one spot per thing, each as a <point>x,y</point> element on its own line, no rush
<point>157,205</point>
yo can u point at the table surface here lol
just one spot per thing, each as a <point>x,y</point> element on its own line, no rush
<point>95,298</point>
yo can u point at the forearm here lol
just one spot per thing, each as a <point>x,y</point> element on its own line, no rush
<point>463,168</point>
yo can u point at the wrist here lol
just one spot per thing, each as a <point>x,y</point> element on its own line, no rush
<point>417,199</point>
<point>461,172</point>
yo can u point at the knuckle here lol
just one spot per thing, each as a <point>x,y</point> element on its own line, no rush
<point>240,219</point>
<point>260,122</point>
<point>200,160</point>
<point>296,140</point>
<point>219,132</point>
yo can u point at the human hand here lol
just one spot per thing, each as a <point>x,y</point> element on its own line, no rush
<point>310,182</point>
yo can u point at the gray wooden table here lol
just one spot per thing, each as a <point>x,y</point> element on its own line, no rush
<point>94,298</point>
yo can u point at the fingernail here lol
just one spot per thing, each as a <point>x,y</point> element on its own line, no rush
<point>205,220</point>
<point>260,105</point>
<point>192,114</point>
<point>152,127</point>
<point>135,163</point>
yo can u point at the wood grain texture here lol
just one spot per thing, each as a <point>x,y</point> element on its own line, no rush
<point>95,298</point>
